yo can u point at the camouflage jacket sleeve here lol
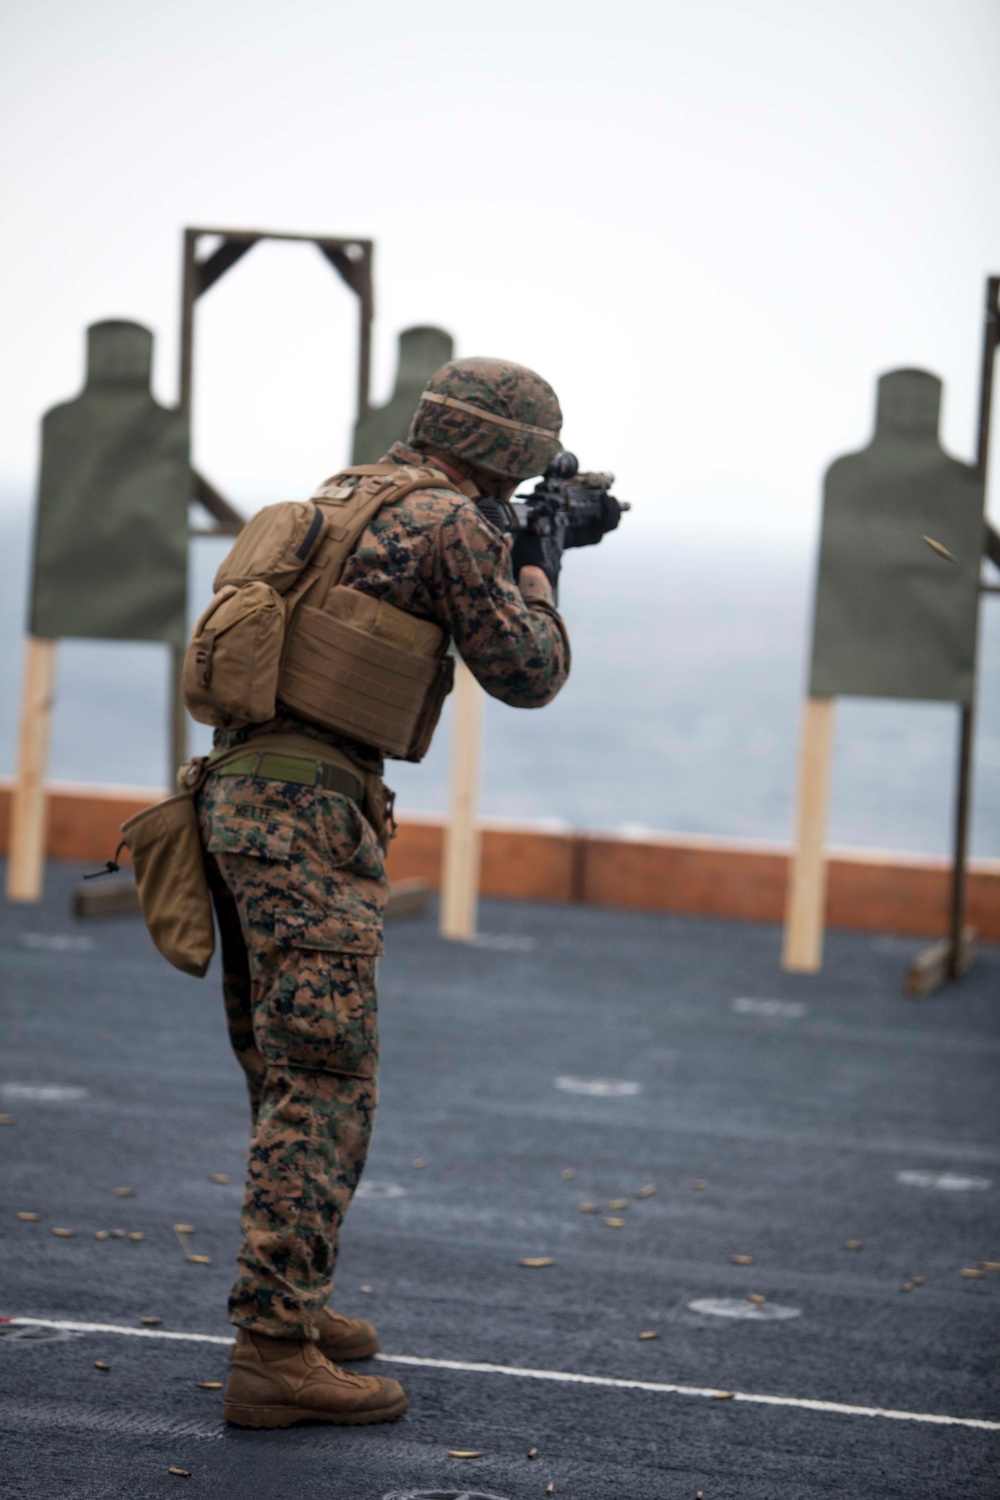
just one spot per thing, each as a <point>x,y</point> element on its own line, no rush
<point>516,648</point>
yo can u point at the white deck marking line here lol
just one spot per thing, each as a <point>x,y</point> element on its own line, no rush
<point>564,1377</point>
<point>137,1333</point>
<point>802,1402</point>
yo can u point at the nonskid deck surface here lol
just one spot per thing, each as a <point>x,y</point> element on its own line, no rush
<point>777,1117</point>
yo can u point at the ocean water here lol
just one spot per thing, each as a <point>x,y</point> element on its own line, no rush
<point>681,713</point>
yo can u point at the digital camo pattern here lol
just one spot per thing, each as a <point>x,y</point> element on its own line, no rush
<point>506,390</point>
<point>307,1153</point>
<point>433,554</point>
<point>299,889</point>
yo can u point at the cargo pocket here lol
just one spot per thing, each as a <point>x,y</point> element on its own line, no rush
<point>320,1011</point>
<point>350,840</point>
<point>355,885</point>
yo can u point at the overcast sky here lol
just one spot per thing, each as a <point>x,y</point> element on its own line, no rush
<point>709,224</point>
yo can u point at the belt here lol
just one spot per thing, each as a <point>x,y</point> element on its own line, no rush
<point>270,766</point>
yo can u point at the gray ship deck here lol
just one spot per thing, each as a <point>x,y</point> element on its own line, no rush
<point>797,1121</point>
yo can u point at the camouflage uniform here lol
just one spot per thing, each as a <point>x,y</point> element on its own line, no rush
<point>298,877</point>
<point>299,887</point>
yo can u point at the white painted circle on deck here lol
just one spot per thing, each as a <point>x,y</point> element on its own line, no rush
<point>749,1005</point>
<point>43,1093</point>
<point>600,1088</point>
<point>58,942</point>
<point>949,1182</point>
<point>368,1189</point>
<point>739,1307</point>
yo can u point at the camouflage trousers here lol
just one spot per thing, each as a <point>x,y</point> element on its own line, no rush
<point>299,887</point>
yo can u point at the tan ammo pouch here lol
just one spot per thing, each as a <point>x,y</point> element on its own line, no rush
<point>230,675</point>
<point>165,846</point>
<point>281,628</point>
<point>231,666</point>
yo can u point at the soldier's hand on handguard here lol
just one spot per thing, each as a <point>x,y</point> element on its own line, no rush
<point>531,551</point>
<point>589,533</point>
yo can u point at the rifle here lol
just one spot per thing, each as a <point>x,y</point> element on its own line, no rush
<point>565,509</point>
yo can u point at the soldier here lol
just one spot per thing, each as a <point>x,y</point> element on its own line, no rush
<point>296,866</point>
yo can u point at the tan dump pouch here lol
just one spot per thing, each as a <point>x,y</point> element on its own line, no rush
<point>367,670</point>
<point>170,876</point>
<point>231,667</point>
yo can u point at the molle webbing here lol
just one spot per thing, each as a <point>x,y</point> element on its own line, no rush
<point>339,671</point>
<point>353,663</point>
<point>380,484</point>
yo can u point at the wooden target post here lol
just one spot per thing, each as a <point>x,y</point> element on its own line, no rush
<point>26,865</point>
<point>803,945</point>
<point>460,876</point>
<point>897,604</point>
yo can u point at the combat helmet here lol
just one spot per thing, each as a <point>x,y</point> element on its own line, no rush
<point>492,414</point>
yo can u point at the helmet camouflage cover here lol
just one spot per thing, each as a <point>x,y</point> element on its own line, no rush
<point>492,414</point>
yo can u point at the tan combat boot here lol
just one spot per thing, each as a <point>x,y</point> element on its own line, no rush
<point>276,1382</point>
<point>343,1338</point>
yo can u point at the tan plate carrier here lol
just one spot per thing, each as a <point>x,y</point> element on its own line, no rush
<point>281,627</point>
